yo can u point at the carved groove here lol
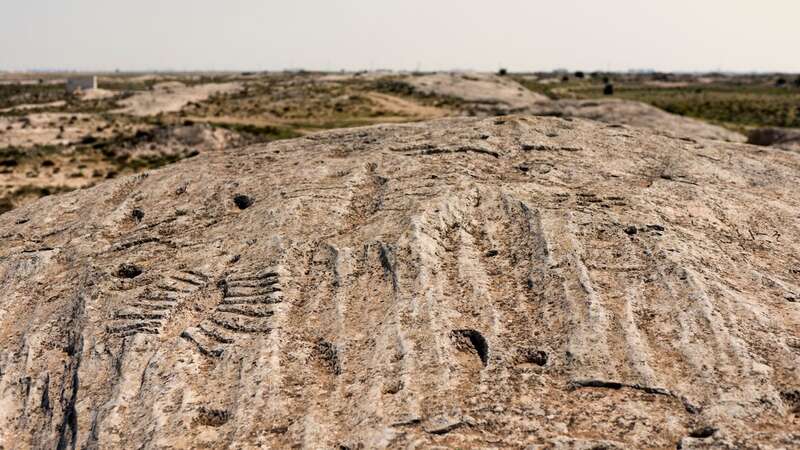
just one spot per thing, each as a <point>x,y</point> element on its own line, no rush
<point>148,312</point>
<point>245,309</point>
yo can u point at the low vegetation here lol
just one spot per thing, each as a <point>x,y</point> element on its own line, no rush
<point>12,95</point>
<point>99,143</point>
<point>258,133</point>
<point>737,102</point>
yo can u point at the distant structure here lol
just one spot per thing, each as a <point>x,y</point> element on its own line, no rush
<point>81,83</point>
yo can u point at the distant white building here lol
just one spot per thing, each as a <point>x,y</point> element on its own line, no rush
<point>81,83</point>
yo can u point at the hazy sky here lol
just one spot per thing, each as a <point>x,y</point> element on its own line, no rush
<point>741,35</point>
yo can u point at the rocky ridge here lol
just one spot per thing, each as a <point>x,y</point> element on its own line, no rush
<point>512,282</point>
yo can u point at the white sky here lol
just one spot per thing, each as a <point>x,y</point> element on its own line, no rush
<point>736,35</point>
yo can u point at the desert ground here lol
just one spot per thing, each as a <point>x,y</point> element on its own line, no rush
<point>52,141</point>
<point>400,260</point>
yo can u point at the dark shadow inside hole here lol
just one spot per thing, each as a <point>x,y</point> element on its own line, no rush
<point>476,341</point>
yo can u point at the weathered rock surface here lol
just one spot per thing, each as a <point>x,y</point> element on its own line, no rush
<point>783,138</point>
<point>637,114</point>
<point>514,282</point>
<point>486,94</point>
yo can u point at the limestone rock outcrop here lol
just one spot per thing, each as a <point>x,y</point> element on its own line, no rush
<point>509,282</point>
<point>637,114</point>
<point>783,138</point>
<point>486,94</point>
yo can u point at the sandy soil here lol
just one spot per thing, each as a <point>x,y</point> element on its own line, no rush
<point>404,107</point>
<point>171,97</point>
<point>667,84</point>
<point>62,165</point>
<point>28,106</point>
<point>96,94</point>
<point>51,129</point>
<point>494,92</point>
